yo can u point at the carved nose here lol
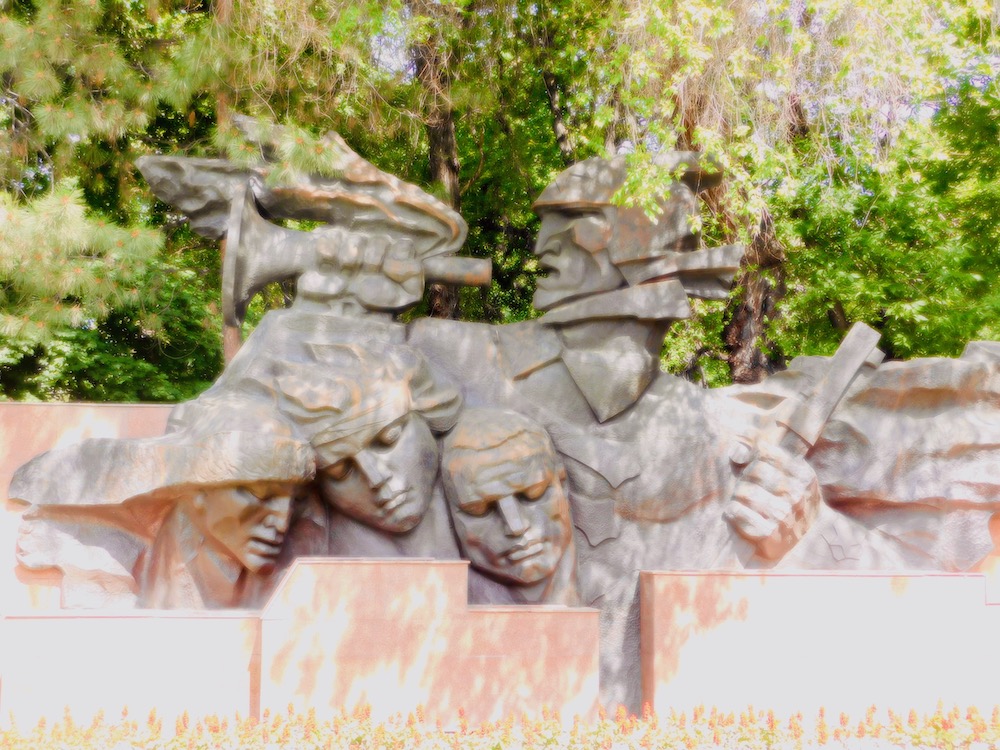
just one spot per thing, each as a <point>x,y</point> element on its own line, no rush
<point>280,513</point>
<point>372,469</point>
<point>513,520</point>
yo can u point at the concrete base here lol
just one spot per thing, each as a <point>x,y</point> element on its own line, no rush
<point>394,635</point>
<point>201,662</point>
<point>399,634</point>
<point>799,642</point>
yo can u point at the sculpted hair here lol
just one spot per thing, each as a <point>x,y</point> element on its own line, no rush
<point>491,436</point>
<point>480,429</point>
<point>355,390</point>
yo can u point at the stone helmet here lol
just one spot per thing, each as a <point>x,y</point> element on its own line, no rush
<point>590,185</point>
<point>224,441</point>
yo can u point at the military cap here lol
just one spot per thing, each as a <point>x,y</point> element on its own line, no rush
<point>591,184</point>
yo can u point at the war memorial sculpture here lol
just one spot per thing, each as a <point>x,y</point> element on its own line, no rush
<point>553,454</point>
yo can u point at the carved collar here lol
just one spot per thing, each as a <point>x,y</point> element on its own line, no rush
<point>611,374</point>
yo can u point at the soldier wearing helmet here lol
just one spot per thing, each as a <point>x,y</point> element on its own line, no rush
<point>588,245</point>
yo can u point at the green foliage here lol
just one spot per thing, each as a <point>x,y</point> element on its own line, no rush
<point>162,345</point>
<point>74,79</point>
<point>814,110</point>
<point>785,94</point>
<point>693,348</point>
<point>60,266</point>
<point>93,304</point>
<point>908,246</point>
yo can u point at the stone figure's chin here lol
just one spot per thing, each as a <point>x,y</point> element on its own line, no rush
<point>400,524</point>
<point>399,515</point>
<point>262,555</point>
<point>543,300</point>
<point>550,294</point>
<point>537,571</point>
<point>550,289</point>
<point>261,565</point>
<point>528,565</point>
<point>404,514</point>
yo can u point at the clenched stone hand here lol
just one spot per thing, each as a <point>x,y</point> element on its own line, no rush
<point>775,501</point>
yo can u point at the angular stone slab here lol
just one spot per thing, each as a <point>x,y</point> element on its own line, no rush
<point>200,662</point>
<point>27,430</point>
<point>397,635</point>
<point>798,642</point>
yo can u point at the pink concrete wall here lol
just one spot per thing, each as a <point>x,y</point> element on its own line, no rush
<point>398,634</point>
<point>798,642</point>
<point>29,429</point>
<point>203,662</point>
<point>395,635</point>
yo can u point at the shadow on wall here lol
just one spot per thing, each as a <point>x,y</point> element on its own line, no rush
<point>399,635</point>
<point>675,609</point>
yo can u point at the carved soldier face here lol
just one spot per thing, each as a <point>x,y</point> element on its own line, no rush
<point>387,483</point>
<point>510,512</point>
<point>572,249</point>
<point>248,521</point>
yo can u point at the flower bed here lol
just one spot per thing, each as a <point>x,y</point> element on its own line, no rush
<point>702,728</point>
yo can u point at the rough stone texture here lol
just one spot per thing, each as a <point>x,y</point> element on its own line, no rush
<point>175,521</point>
<point>835,464</point>
<point>504,484</point>
<point>385,235</point>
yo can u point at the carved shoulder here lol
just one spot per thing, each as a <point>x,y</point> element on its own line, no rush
<point>464,353</point>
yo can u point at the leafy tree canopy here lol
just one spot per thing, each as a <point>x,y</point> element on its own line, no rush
<point>859,140</point>
<point>908,244</point>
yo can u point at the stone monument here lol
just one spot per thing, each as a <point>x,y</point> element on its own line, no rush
<point>553,454</point>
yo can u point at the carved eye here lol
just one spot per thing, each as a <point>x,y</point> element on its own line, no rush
<point>476,509</point>
<point>265,494</point>
<point>339,470</point>
<point>536,490</point>
<point>389,435</point>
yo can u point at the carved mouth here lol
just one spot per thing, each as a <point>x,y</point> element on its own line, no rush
<point>395,500</point>
<point>525,551</point>
<point>548,271</point>
<point>266,547</point>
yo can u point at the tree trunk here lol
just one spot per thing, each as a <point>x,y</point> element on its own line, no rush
<point>559,128</point>
<point>752,355</point>
<point>614,132</point>
<point>433,68</point>
<point>232,337</point>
